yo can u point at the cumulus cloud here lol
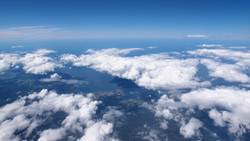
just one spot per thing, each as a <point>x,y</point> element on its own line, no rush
<point>209,45</point>
<point>232,102</point>
<point>30,112</point>
<point>234,72</point>
<point>156,71</point>
<point>7,61</point>
<point>36,62</point>
<point>57,78</point>
<point>229,72</point>
<point>222,53</point>
<point>196,36</point>
<point>112,114</point>
<point>191,128</point>
<point>97,131</point>
<point>227,106</point>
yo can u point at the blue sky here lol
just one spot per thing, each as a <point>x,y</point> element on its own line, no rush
<point>59,19</point>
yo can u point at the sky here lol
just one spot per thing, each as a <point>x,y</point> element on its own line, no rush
<point>64,19</point>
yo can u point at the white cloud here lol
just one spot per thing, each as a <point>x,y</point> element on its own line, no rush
<point>229,72</point>
<point>164,106</point>
<point>97,131</point>
<point>238,47</point>
<point>152,47</point>
<point>227,106</point>
<point>191,128</point>
<point>152,136</point>
<point>234,72</point>
<point>38,63</point>
<point>19,46</point>
<point>196,36</point>
<point>7,61</point>
<point>29,112</point>
<point>210,45</point>
<point>234,104</point>
<point>112,114</point>
<point>33,32</point>
<point>52,134</point>
<point>157,71</point>
<point>57,78</point>
<point>223,53</point>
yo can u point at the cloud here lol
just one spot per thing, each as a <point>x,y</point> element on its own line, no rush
<point>232,104</point>
<point>156,71</point>
<point>30,112</point>
<point>209,45</point>
<point>222,53</point>
<point>7,61</point>
<point>97,131</point>
<point>112,114</point>
<point>19,46</point>
<point>152,136</point>
<point>229,72</point>
<point>57,78</point>
<point>234,72</point>
<point>191,128</point>
<point>238,47</point>
<point>196,36</point>
<point>152,47</point>
<point>227,106</point>
<point>38,63</point>
<point>34,32</point>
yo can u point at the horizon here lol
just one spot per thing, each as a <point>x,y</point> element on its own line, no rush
<point>39,20</point>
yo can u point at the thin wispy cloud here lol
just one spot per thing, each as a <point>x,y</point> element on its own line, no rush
<point>152,47</point>
<point>238,47</point>
<point>196,36</point>
<point>33,32</point>
<point>19,46</point>
<point>209,45</point>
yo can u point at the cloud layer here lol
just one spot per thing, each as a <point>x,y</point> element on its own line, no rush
<point>30,112</point>
<point>226,106</point>
<point>156,71</point>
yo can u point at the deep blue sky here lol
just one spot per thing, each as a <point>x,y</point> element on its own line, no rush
<point>126,18</point>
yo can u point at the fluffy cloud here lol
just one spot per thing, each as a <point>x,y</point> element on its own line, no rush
<point>209,45</point>
<point>191,128</point>
<point>196,36</point>
<point>227,106</point>
<point>38,63</point>
<point>7,61</point>
<point>223,53</point>
<point>97,131</point>
<point>229,72</point>
<point>157,71</point>
<point>57,78</point>
<point>234,72</point>
<point>30,112</point>
<point>233,103</point>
